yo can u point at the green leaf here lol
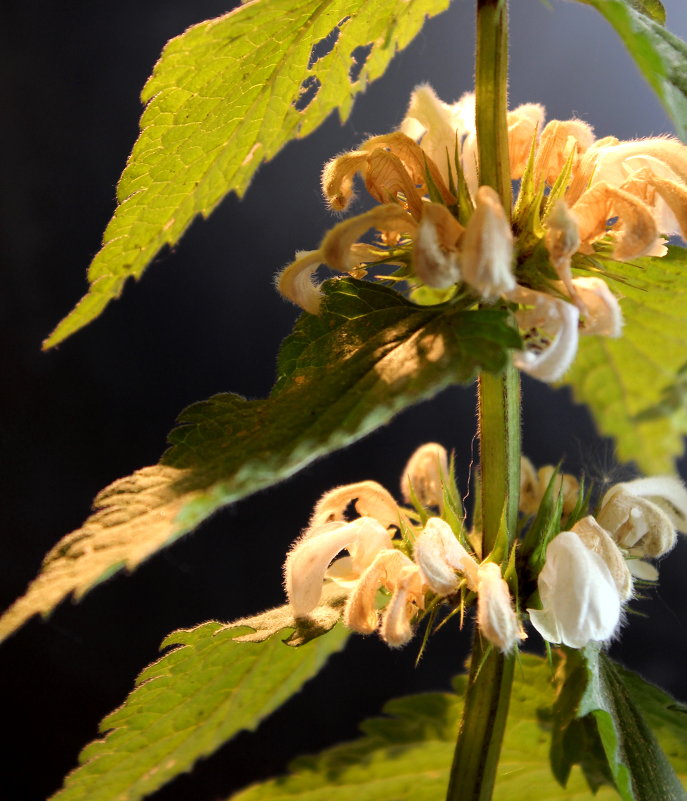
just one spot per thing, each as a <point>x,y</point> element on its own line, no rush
<point>659,54</point>
<point>225,97</point>
<point>406,755</point>
<point>369,355</point>
<point>631,384</point>
<point>602,720</point>
<point>187,704</point>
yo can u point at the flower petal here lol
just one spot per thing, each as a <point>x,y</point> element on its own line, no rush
<point>496,617</point>
<point>439,554</point>
<point>426,471</point>
<point>550,334</point>
<point>487,247</point>
<point>295,282</point>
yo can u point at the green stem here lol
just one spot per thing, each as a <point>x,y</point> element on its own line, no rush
<point>487,696</point>
<point>491,90</point>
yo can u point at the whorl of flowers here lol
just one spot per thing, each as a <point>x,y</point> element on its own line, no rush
<point>391,549</point>
<point>579,199</point>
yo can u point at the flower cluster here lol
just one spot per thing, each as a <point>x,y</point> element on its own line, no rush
<point>402,561</point>
<point>579,199</point>
<point>588,571</point>
<point>428,563</point>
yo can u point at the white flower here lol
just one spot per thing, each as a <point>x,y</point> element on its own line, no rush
<point>496,617</point>
<point>550,327</point>
<point>439,555</point>
<point>309,558</point>
<point>643,515</point>
<point>598,540</point>
<point>579,597</point>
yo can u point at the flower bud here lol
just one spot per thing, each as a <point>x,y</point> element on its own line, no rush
<point>487,247</point>
<point>425,473</point>
<point>496,617</point>
<point>439,555</point>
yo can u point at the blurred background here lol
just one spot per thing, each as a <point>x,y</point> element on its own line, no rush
<point>205,319</point>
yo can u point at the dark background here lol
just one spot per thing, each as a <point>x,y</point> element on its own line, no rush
<point>206,319</point>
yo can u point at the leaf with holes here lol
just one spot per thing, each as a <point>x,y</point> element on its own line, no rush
<point>659,54</point>
<point>187,704</point>
<point>633,385</point>
<point>225,97</point>
<point>342,374</point>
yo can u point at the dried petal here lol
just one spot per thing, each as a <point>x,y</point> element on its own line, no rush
<point>385,571</point>
<point>395,628</point>
<point>371,500</point>
<point>426,472</point>
<point>336,245</point>
<point>556,143</point>
<point>523,124</point>
<point>636,227</point>
<point>337,178</point>
<point>600,310</point>
<point>387,180</point>
<point>562,239</point>
<point>439,554</point>
<point>295,281</point>
<point>309,557</point>
<point>435,255</point>
<point>496,617</point>
<point>487,247</point>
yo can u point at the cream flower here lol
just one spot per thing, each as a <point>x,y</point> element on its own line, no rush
<point>533,484</point>
<point>579,596</point>
<point>643,517</point>
<point>425,474</point>
<point>439,555</point>
<point>496,617</point>
<point>309,558</point>
<point>550,327</point>
<point>487,247</point>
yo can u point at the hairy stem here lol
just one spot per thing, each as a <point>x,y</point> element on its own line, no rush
<point>487,698</point>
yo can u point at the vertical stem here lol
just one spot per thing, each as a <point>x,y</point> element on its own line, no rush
<point>487,697</point>
<point>491,90</point>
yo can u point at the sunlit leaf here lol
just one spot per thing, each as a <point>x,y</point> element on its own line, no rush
<point>187,704</point>
<point>659,54</point>
<point>341,375</point>
<point>633,385</point>
<point>225,97</point>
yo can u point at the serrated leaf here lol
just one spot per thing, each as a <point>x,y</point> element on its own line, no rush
<point>659,54</point>
<point>187,704</point>
<point>225,97</point>
<point>625,381</point>
<point>406,755</point>
<point>603,715</point>
<point>369,355</point>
